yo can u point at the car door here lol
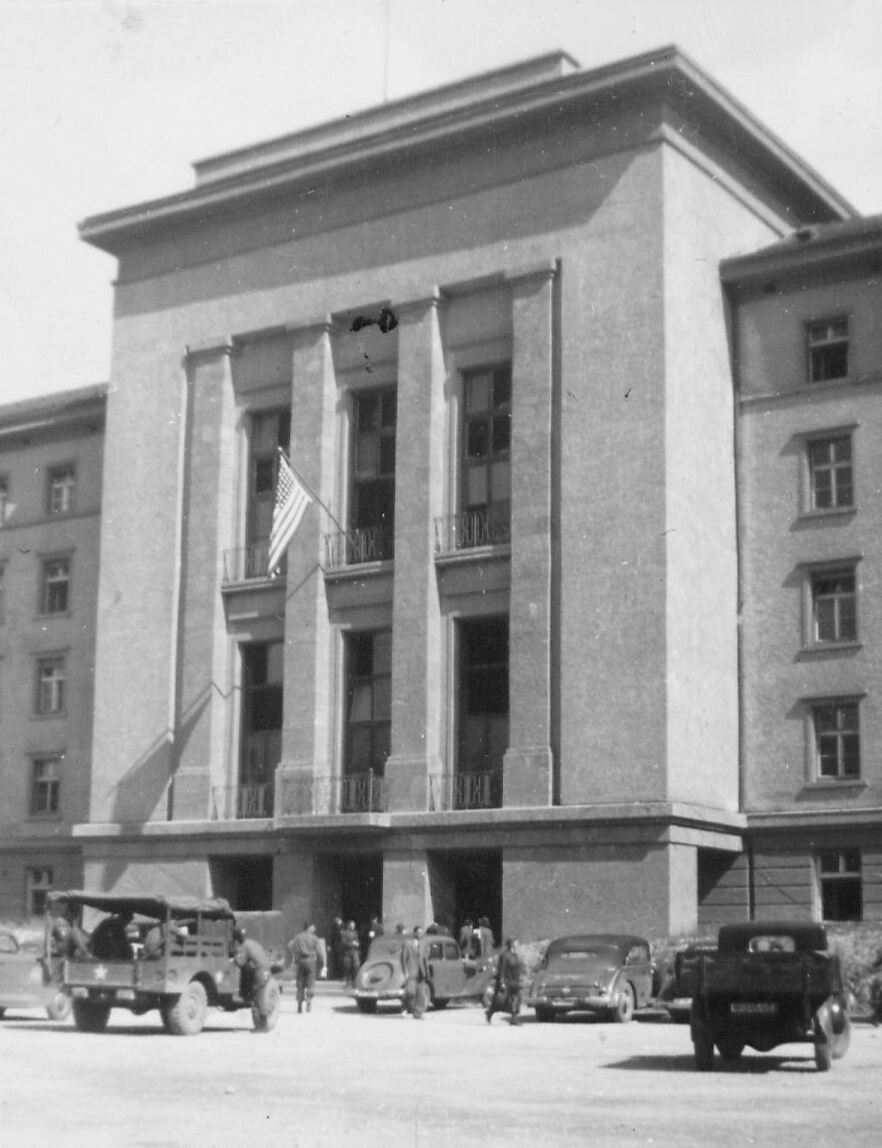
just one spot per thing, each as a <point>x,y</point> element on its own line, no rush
<point>445,967</point>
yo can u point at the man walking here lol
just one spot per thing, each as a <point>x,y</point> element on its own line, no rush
<point>305,952</point>
<point>507,986</point>
<point>349,939</point>
<point>416,989</point>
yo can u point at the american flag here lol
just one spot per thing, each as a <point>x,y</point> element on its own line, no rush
<point>291,501</point>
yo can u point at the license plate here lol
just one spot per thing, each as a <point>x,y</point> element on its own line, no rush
<point>754,1008</point>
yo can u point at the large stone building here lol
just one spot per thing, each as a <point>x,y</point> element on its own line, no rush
<point>499,671</point>
<point>50,520</point>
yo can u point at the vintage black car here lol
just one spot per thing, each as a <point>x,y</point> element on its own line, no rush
<point>452,977</point>
<point>606,974</point>
<point>29,976</point>
<point>769,983</point>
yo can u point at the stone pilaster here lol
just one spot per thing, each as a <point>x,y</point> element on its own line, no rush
<point>528,762</point>
<point>416,626</point>
<point>306,734</point>
<point>203,676</point>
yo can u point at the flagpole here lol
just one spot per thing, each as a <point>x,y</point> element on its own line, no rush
<point>309,490</point>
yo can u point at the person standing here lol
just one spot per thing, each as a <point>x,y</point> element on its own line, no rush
<point>252,959</point>
<point>507,984</point>
<point>349,941</point>
<point>306,956</point>
<point>413,966</point>
<point>335,955</point>
<point>467,938</point>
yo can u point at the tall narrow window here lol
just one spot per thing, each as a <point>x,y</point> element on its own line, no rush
<point>38,882</point>
<point>45,786</point>
<point>841,885</point>
<point>61,494</point>
<point>828,350</point>
<point>368,701</point>
<point>483,706</point>
<point>834,606</point>
<point>262,688</point>
<point>831,482</point>
<point>55,592</point>
<point>51,686</point>
<point>837,740</point>
<point>372,511</point>
<point>269,431</point>
<point>486,460</point>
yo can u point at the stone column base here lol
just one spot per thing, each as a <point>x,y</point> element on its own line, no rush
<point>527,777</point>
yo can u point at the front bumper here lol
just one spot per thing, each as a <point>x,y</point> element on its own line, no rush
<point>374,995</point>
<point>571,1002</point>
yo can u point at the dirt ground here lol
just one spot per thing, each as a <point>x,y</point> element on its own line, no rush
<point>335,1077</point>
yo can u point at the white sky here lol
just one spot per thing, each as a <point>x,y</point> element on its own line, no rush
<point>106,104</point>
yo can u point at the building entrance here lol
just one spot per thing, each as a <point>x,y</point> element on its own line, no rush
<point>467,884</point>
<point>360,882</point>
<point>246,882</point>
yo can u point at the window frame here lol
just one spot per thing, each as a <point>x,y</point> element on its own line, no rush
<point>56,472</point>
<point>836,878</point>
<point>378,729</point>
<point>57,686</point>
<point>813,574</point>
<point>832,343</point>
<point>50,784</point>
<point>39,879</point>
<point>811,470</point>
<point>497,509</point>
<point>47,584</point>
<point>371,535</point>
<point>814,709</point>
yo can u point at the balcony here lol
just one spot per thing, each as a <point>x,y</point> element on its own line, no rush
<point>241,802</point>
<point>358,793</point>
<point>449,791</point>
<point>246,563</point>
<point>356,547</point>
<point>487,526</point>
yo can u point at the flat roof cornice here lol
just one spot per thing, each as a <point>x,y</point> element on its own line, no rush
<point>475,104</point>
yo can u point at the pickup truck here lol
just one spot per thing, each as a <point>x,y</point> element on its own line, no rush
<point>170,953</point>
<point>769,983</point>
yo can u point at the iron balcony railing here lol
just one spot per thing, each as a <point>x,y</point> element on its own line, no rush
<point>487,526</point>
<point>355,547</point>
<point>246,563</point>
<point>465,791</point>
<point>357,793</point>
<point>241,802</point>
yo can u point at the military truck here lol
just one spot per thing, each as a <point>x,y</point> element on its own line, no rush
<point>171,953</point>
<point>769,983</point>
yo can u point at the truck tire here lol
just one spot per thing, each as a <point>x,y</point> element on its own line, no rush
<point>187,1015</point>
<point>703,1042</point>
<point>266,1008</point>
<point>59,1008</point>
<point>823,1039</point>
<point>623,1009</point>
<point>89,1016</point>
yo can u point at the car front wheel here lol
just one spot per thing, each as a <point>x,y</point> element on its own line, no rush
<point>265,1010</point>
<point>623,1009</point>
<point>59,1008</point>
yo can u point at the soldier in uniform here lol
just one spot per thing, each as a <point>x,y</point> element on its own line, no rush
<point>306,954</point>
<point>507,986</point>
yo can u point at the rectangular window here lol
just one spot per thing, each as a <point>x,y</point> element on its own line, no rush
<point>483,710</point>
<point>372,475</point>
<point>841,883</point>
<point>837,740</point>
<point>38,882</point>
<point>62,490</point>
<point>486,457</point>
<point>828,350</point>
<point>831,482</point>
<point>263,666</point>
<point>368,702</point>
<point>51,692</point>
<point>269,431</point>
<point>55,593</point>
<point>45,786</point>
<point>834,606</point>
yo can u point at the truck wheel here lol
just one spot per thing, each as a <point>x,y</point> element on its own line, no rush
<point>840,1028</point>
<point>623,1009</point>
<point>59,1008</point>
<point>703,1041</point>
<point>90,1017</point>
<point>187,1015</point>
<point>366,1006</point>
<point>823,1039</point>
<point>265,1010</point>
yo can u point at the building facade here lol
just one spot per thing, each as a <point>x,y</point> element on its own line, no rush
<point>50,516</point>
<point>808,355</point>
<point>498,672</point>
